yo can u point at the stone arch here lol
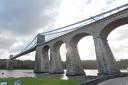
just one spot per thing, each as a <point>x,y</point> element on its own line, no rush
<point>57,45</point>
<point>113,25</point>
<point>106,60</point>
<point>73,63</point>
<point>55,58</point>
<point>118,43</point>
<point>75,39</point>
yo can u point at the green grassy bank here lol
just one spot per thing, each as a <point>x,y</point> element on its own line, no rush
<point>39,81</point>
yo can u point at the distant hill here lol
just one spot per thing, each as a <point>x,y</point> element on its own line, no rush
<point>18,64</point>
<point>87,64</point>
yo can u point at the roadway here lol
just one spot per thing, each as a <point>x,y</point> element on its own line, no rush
<point>116,81</point>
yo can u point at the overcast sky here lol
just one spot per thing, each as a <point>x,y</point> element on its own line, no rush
<point>22,20</point>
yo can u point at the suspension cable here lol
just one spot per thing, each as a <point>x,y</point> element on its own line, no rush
<point>29,43</point>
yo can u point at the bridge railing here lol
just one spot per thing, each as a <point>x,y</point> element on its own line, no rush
<point>108,13</point>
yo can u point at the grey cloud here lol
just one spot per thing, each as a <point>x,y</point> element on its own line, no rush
<point>4,53</point>
<point>20,20</point>
<point>18,48</point>
<point>88,1</point>
<point>121,35</point>
<point>120,49</point>
<point>119,46</point>
<point>109,1</point>
<point>5,43</point>
<point>23,17</point>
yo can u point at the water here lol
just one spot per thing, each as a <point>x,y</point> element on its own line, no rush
<point>30,73</point>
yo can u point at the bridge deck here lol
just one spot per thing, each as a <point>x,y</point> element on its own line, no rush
<point>103,79</point>
<point>23,53</point>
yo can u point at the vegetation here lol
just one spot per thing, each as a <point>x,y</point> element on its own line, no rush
<point>26,64</point>
<point>122,64</point>
<point>92,64</point>
<point>87,64</point>
<point>39,81</point>
<point>18,64</point>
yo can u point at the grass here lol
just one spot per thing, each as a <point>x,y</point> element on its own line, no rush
<point>39,81</point>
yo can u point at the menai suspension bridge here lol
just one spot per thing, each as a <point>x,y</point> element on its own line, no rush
<point>63,30</point>
<point>99,27</point>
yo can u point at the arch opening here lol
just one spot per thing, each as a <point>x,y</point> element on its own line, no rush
<point>85,47</point>
<point>46,51</point>
<point>106,30</point>
<point>60,53</point>
<point>61,48</point>
<point>118,41</point>
<point>118,50</point>
<point>63,52</point>
<point>87,55</point>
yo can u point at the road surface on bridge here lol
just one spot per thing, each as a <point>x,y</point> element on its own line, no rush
<point>116,81</point>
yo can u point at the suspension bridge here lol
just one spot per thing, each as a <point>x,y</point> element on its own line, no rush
<point>98,27</point>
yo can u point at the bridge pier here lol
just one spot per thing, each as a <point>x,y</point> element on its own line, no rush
<point>73,63</point>
<point>55,61</point>
<point>41,61</point>
<point>105,59</point>
<point>9,64</point>
<point>41,58</point>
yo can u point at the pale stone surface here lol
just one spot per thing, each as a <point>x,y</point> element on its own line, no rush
<point>55,61</point>
<point>116,81</point>
<point>105,58</point>
<point>41,61</point>
<point>10,63</point>
<point>73,63</point>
